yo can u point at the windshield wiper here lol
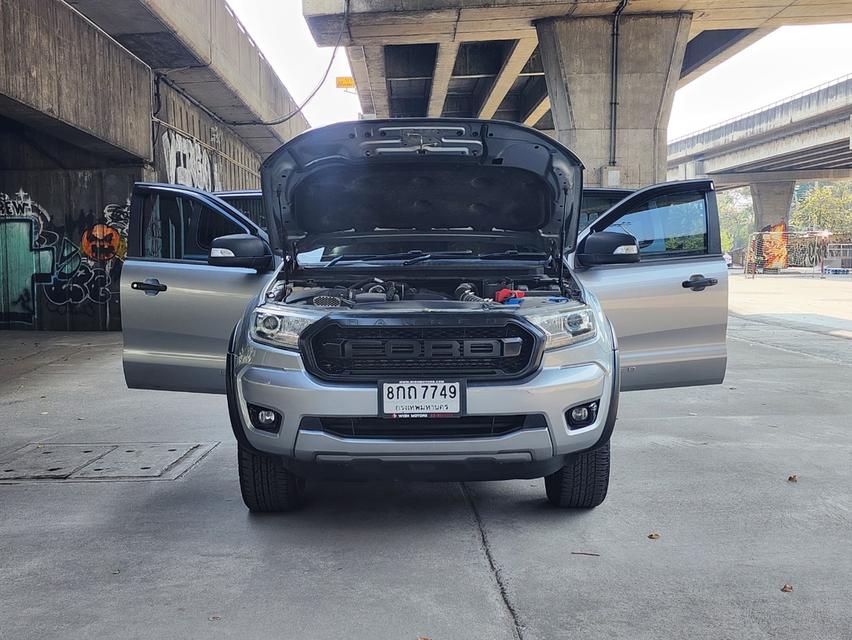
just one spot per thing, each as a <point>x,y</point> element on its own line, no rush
<point>416,255</point>
<point>376,256</point>
<point>439,254</point>
<point>513,254</point>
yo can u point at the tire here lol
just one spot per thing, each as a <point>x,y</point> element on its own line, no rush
<point>582,483</point>
<point>268,487</point>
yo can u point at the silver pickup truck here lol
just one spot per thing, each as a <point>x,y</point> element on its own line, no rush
<point>424,299</point>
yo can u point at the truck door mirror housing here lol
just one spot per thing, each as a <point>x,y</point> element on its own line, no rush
<point>240,250</point>
<point>608,247</point>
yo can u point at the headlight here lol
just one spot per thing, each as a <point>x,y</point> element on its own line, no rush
<point>565,327</point>
<point>281,327</point>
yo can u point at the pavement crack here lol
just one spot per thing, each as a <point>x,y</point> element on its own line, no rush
<point>496,573</point>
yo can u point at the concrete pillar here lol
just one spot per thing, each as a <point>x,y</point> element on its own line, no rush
<point>576,53</point>
<point>771,202</point>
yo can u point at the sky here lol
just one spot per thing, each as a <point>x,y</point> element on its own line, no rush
<point>787,61</point>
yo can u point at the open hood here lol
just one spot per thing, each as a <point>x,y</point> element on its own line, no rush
<point>422,174</point>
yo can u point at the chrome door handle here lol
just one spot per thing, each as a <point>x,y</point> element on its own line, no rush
<point>698,282</point>
<point>151,286</point>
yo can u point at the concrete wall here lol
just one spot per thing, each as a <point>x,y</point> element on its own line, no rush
<point>64,75</point>
<point>63,230</point>
<point>63,238</point>
<point>209,55</point>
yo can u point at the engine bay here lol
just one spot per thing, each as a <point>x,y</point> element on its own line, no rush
<point>444,292</point>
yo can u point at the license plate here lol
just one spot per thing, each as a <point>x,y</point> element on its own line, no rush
<point>421,398</point>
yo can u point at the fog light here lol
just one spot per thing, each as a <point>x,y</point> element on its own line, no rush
<point>264,419</point>
<point>582,415</point>
<point>578,414</point>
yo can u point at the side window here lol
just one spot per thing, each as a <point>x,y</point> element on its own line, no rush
<point>668,226</point>
<point>179,228</point>
<point>251,207</point>
<point>593,206</point>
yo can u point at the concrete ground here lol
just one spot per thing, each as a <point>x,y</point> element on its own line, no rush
<point>706,468</point>
<point>802,300</point>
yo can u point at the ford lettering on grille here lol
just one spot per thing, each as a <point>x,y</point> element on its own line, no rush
<point>406,349</point>
<point>397,348</point>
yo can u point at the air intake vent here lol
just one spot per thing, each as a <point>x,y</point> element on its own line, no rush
<point>423,428</point>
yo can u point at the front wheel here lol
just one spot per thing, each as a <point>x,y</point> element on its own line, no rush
<point>268,487</point>
<point>582,483</point>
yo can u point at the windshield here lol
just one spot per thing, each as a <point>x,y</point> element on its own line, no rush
<point>403,246</point>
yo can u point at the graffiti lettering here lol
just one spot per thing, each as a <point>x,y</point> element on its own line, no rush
<point>187,162</point>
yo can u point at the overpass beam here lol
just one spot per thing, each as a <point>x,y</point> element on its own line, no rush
<point>517,57</point>
<point>771,202</point>
<point>444,63</point>
<point>577,58</point>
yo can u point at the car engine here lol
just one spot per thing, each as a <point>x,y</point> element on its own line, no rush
<point>376,291</point>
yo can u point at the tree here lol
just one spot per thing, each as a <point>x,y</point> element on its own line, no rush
<point>735,216</point>
<point>826,207</point>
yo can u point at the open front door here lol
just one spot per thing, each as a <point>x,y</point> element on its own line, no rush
<point>670,309</point>
<point>177,311</point>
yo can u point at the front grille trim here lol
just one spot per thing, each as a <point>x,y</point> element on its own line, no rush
<point>456,428</point>
<point>471,330</point>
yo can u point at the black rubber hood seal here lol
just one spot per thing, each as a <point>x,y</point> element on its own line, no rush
<point>422,174</point>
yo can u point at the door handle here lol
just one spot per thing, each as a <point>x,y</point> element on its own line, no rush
<point>151,286</point>
<point>698,282</point>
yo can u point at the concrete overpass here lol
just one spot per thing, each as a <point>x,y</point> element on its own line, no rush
<point>201,48</point>
<point>807,136</point>
<point>89,104</point>
<point>605,85</point>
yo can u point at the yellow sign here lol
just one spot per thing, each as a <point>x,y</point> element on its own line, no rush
<point>345,82</point>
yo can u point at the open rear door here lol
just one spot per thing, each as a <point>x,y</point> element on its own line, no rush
<point>177,311</point>
<point>670,309</point>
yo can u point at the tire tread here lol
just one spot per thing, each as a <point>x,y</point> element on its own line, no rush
<point>583,482</point>
<point>266,486</point>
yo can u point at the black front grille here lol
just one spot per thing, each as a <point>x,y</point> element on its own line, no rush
<point>423,428</point>
<point>367,350</point>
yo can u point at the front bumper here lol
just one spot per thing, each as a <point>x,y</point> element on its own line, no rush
<point>276,379</point>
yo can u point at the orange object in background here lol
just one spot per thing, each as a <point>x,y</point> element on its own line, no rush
<point>775,246</point>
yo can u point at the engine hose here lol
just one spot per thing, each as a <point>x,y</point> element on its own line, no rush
<point>466,292</point>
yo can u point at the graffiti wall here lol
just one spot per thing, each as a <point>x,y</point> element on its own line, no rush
<point>60,267</point>
<point>64,210</point>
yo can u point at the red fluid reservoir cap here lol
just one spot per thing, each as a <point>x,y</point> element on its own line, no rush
<point>504,294</point>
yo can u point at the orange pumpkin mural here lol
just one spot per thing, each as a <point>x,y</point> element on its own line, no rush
<point>101,243</point>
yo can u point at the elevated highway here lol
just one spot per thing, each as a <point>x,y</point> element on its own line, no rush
<point>600,73</point>
<point>807,136</point>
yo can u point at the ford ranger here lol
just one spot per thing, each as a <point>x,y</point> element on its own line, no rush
<point>427,299</point>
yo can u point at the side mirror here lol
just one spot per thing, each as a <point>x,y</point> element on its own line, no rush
<point>240,250</point>
<point>608,247</point>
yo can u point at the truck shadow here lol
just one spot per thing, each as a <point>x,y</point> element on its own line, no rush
<point>396,506</point>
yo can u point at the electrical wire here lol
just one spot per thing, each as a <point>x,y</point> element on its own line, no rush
<point>298,110</point>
